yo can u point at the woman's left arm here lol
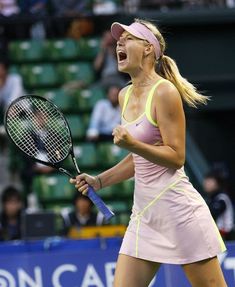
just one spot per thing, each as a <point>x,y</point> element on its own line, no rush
<point>168,105</point>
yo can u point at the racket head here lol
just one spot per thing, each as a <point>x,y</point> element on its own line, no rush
<point>38,128</point>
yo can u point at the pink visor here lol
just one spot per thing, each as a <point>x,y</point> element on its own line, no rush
<point>139,31</point>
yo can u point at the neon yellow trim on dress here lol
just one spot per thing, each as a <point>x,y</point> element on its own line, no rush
<point>143,211</point>
<point>137,238</point>
<point>126,98</point>
<point>147,110</point>
<point>149,102</point>
<point>159,195</point>
<point>222,245</point>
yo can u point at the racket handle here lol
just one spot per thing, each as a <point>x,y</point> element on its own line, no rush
<point>94,197</point>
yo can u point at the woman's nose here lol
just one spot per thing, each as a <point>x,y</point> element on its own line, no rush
<point>120,41</point>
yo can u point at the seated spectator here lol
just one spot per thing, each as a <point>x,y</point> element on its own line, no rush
<point>28,168</point>
<point>11,85</point>
<point>33,6</point>
<point>219,204</point>
<point>105,116</point>
<point>68,8</point>
<point>82,215</point>
<point>10,216</point>
<point>105,63</point>
<point>9,29</point>
<point>37,9</point>
<point>9,8</point>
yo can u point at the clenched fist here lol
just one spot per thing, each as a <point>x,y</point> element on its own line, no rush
<point>122,137</point>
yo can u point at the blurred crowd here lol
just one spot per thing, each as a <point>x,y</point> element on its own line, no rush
<point>42,18</point>
<point>18,200</point>
<point>68,8</point>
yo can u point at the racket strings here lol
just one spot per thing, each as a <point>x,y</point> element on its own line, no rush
<point>38,129</point>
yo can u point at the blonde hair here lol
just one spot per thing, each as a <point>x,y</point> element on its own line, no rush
<point>167,68</point>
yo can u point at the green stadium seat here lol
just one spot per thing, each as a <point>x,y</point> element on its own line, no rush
<point>114,220</point>
<point>124,218</point>
<point>63,100</point>
<point>61,49</point>
<point>127,189</point>
<point>39,76</point>
<point>53,187</point>
<point>26,51</point>
<point>87,98</point>
<point>85,118</point>
<point>110,154</point>
<point>77,126</point>
<point>118,207</point>
<point>81,71</point>
<point>86,155</point>
<point>14,69</point>
<point>107,193</point>
<point>58,207</point>
<point>88,48</point>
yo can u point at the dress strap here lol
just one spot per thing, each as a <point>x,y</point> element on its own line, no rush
<point>149,102</point>
<point>126,98</point>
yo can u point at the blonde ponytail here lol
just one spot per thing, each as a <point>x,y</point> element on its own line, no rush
<point>168,69</point>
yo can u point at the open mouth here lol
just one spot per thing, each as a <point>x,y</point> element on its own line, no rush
<point>122,56</point>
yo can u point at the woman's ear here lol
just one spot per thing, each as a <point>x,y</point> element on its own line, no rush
<point>148,49</point>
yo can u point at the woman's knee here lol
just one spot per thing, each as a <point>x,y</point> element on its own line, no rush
<point>134,272</point>
<point>206,273</point>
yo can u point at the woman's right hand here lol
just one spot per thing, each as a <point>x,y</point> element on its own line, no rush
<point>82,181</point>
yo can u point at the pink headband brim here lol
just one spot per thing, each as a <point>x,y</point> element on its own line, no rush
<point>139,31</point>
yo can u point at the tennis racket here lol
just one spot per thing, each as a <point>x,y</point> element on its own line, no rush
<point>40,130</point>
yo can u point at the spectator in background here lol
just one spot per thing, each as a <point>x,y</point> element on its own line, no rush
<point>219,204</point>
<point>105,116</point>
<point>11,85</point>
<point>37,9</point>
<point>10,216</point>
<point>105,63</point>
<point>9,29</point>
<point>68,8</point>
<point>33,6</point>
<point>82,215</point>
<point>9,8</point>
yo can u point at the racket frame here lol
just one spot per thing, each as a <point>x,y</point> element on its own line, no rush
<point>94,197</point>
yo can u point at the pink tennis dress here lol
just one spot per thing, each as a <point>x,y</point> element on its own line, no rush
<point>170,221</point>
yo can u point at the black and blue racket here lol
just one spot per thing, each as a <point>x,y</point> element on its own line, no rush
<point>40,130</point>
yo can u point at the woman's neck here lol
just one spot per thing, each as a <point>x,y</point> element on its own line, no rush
<point>144,79</point>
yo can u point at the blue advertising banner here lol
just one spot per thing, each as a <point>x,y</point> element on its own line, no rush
<point>82,264</point>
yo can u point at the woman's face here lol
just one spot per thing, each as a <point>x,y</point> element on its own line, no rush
<point>130,52</point>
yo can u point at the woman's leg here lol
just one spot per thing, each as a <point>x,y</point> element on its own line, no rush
<point>133,272</point>
<point>206,273</point>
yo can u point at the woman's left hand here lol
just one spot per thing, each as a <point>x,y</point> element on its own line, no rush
<point>122,138</point>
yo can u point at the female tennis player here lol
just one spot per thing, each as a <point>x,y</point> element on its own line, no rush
<point>170,221</point>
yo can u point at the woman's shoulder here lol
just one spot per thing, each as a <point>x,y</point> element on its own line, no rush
<point>164,86</point>
<point>124,89</point>
<point>122,94</point>
<point>166,91</point>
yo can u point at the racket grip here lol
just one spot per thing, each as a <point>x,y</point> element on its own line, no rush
<point>94,197</point>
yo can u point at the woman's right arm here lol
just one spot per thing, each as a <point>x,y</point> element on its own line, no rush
<point>121,171</point>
